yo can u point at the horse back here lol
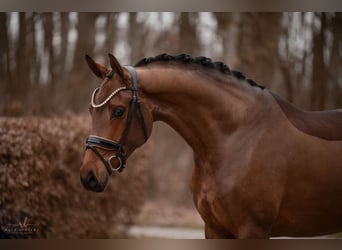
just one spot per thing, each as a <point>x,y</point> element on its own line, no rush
<point>323,124</point>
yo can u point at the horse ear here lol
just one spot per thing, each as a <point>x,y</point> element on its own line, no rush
<point>115,65</point>
<point>99,70</point>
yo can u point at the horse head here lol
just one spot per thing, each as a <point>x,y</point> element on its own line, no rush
<point>120,123</point>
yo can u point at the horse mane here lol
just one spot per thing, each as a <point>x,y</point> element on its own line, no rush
<point>200,60</point>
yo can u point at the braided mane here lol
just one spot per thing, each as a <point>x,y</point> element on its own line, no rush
<point>200,60</point>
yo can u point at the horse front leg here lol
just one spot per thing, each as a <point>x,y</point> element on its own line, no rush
<point>213,233</point>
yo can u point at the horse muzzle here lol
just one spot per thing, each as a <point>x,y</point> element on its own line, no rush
<point>93,176</point>
<point>93,183</point>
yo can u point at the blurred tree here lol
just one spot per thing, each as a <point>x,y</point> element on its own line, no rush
<point>111,33</point>
<point>287,63</point>
<point>34,65</point>
<point>49,42</point>
<point>167,40</point>
<point>60,74</point>
<point>85,38</point>
<point>51,93</point>
<point>319,72</point>
<point>4,56</point>
<point>136,38</point>
<point>335,66</point>
<point>224,23</point>
<point>64,30</point>
<point>188,37</point>
<point>21,81</point>
<point>78,86</point>
<point>257,47</point>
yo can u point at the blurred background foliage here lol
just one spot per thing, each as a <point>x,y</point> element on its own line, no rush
<point>43,71</point>
<point>40,192</point>
<point>43,68</point>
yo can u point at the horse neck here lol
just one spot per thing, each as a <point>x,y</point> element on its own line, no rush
<point>202,109</point>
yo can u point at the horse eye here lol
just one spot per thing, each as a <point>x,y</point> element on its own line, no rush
<point>118,112</point>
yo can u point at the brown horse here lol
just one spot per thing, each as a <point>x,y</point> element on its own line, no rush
<point>262,167</point>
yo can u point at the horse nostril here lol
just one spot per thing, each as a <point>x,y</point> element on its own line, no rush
<point>91,180</point>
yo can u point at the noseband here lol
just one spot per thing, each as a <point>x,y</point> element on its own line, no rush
<point>93,142</point>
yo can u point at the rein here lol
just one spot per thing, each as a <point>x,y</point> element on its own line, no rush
<point>94,142</point>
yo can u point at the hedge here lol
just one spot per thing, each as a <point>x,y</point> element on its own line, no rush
<point>40,192</point>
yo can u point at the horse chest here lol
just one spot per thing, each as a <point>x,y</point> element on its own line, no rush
<point>206,194</point>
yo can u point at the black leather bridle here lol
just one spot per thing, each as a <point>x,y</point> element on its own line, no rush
<point>94,142</point>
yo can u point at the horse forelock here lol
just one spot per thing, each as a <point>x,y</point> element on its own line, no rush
<point>206,62</point>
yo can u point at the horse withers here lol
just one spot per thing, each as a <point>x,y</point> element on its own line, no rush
<point>263,168</point>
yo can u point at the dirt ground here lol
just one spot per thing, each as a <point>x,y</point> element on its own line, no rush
<point>163,213</point>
